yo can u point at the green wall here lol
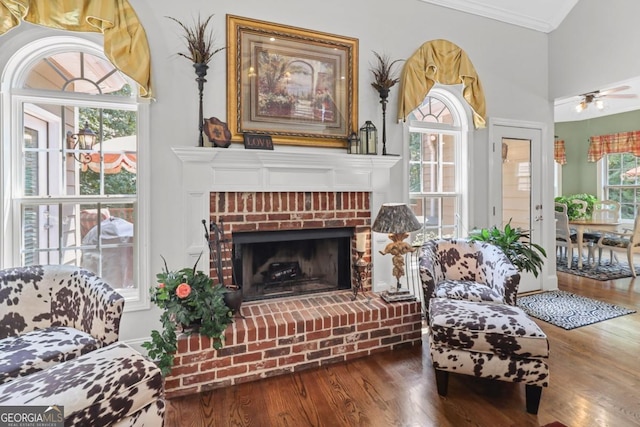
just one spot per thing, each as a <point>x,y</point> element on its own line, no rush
<point>578,175</point>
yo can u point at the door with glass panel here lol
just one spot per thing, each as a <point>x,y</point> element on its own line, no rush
<point>518,200</point>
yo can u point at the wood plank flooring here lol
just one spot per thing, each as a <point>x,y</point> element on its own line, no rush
<point>594,381</point>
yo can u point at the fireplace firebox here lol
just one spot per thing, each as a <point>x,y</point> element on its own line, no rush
<point>273,264</point>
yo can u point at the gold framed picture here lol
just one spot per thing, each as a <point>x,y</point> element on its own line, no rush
<point>298,86</point>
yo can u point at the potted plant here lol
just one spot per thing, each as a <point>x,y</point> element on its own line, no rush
<point>190,302</point>
<point>516,244</point>
<point>573,209</point>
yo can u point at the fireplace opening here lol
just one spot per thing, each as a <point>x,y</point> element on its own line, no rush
<point>272,264</point>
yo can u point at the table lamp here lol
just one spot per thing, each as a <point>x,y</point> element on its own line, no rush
<point>398,221</point>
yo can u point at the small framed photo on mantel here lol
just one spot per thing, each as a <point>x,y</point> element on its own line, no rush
<point>257,141</point>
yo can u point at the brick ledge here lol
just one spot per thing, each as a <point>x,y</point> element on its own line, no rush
<point>288,335</point>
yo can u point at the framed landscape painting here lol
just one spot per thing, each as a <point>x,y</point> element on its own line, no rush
<point>296,85</point>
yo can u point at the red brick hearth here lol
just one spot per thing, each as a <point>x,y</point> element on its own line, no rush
<point>289,335</point>
<point>279,336</point>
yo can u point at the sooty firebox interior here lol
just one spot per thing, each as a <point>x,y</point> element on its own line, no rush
<point>271,264</point>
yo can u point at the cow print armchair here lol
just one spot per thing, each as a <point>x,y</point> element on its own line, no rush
<point>465,270</point>
<point>53,313</point>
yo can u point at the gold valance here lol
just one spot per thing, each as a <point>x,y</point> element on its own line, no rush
<point>125,41</point>
<point>440,61</point>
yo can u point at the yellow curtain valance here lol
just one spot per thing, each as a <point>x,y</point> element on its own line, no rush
<point>440,61</point>
<point>125,41</point>
<point>622,142</point>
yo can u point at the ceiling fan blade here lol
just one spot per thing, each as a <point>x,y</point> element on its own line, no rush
<point>613,89</point>
<point>620,95</point>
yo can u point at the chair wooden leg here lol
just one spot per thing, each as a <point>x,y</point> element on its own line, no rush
<point>442,382</point>
<point>631,266</point>
<point>533,394</point>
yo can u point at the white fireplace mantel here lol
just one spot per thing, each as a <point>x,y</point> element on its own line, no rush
<point>237,169</point>
<point>207,169</point>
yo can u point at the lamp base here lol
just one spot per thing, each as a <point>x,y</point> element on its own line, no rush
<point>401,295</point>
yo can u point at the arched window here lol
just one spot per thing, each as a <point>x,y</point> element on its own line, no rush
<point>72,163</point>
<point>437,155</point>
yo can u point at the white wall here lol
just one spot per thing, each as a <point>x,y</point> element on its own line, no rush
<point>512,63</point>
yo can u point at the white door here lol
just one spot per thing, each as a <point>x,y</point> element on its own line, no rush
<point>516,177</point>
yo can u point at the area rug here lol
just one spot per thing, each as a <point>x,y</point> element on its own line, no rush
<point>567,310</point>
<point>604,271</point>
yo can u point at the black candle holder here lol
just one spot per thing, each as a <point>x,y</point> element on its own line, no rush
<point>201,72</point>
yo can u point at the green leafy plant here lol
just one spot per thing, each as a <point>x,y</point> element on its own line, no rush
<point>573,208</point>
<point>516,245</point>
<point>189,299</point>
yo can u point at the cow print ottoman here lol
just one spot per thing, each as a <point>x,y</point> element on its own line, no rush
<point>488,340</point>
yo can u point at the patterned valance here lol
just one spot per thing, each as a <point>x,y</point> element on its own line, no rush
<point>623,142</point>
<point>559,153</point>
<point>440,61</point>
<point>125,42</point>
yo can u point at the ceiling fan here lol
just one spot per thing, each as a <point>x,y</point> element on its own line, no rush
<point>596,96</point>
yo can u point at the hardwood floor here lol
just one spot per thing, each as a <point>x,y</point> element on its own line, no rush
<point>594,381</point>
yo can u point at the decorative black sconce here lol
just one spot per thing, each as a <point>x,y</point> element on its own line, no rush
<point>84,140</point>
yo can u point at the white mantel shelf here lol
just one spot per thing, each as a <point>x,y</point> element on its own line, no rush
<point>282,169</point>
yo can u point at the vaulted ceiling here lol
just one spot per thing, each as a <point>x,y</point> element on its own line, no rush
<point>545,16</point>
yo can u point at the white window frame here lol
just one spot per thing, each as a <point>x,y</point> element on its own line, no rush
<point>460,130</point>
<point>11,117</point>
<point>601,179</point>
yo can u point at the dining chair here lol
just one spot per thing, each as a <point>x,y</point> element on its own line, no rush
<point>604,211</point>
<point>564,237</point>
<point>627,241</point>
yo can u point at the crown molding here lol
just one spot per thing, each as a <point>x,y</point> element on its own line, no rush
<point>557,11</point>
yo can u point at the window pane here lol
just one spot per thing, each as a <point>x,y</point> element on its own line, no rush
<point>107,246</point>
<point>429,178</point>
<point>448,148</point>
<point>42,231</point>
<point>76,72</point>
<point>414,178</point>
<point>448,178</point>
<point>437,214</point>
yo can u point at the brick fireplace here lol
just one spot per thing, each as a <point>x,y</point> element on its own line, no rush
<point>246,214</point>
<point>248,191</point>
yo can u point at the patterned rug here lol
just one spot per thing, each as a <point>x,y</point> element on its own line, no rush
<point>605,271</point>
<point>567,310</point>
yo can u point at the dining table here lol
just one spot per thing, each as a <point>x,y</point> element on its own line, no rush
<point>582,225</point>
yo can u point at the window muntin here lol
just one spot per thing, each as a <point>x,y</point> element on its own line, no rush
<point>79,72</point>
<point>434,138</point>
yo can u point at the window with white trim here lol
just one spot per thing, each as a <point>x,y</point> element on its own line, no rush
<point>621,182</point>
<point>435,190</point>
<point>72,203</point>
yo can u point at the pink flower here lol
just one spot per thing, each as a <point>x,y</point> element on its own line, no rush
<point>161,285</point>
<point>183,290</point>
